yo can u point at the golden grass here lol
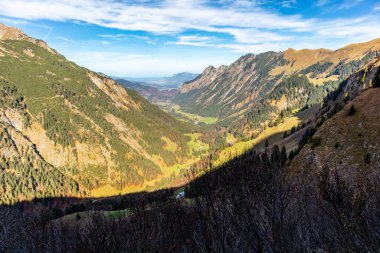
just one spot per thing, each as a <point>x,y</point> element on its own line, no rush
<point>230,139</point>
<point>107,190</point>
<point>322,80</point>
<point>169,145</point>
<point>167,172</point>
<point>195,144</point>
<point>189,116</point>
<point>240,148</point>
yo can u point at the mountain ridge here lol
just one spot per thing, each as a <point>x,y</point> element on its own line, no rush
<point>84,125</point>
<point>258,86</point>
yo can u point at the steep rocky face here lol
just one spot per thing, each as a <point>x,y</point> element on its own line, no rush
<point>11,33</point>
<point>82,124</point>
<point>223,91</point>
<point>24,172</point>
<point>206,78</point>
<point>262,86</point>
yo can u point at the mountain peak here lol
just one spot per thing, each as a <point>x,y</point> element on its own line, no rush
<point>11,33</point>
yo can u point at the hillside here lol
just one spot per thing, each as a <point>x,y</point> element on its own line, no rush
<point>258,90</point>
<point>351,117</point>
<point>322,197</point>
<point>326,199</point>
<point>68,126</point>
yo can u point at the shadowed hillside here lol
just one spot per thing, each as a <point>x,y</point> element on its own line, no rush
<point>322,198</point>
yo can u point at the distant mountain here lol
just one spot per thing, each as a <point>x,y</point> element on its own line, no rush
<point>256,91</point>
<point>153,94</point>
<point>174,81</point>
<point>66,130</point>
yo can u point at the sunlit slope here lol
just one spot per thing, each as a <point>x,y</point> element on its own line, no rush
<point>83,124</point>
<point>255,91</point>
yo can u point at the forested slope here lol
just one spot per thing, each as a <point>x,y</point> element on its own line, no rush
<point>81,125</point>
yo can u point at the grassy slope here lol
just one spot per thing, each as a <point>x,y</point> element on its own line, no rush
<point>240,90</point>
<point>274,135</point>
<point>170,174</point>
<point>194,118</point>
<point>49,82</point>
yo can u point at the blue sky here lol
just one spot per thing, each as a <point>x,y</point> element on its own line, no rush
<point>147,38</point>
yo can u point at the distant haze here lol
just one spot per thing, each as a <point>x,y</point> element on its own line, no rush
<point>174,81</point>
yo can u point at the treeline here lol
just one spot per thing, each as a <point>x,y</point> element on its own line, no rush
<point>299,93</point>
<point>317,68</point>
<point>10,98</point>
<point>24,175</point>
<point>344,69</point>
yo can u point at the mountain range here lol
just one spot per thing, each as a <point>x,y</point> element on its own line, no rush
<point>170,82</point>
<point>87,164</point>
<point>253,92</point>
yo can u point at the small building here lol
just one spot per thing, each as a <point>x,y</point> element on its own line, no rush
<point>180,195</point>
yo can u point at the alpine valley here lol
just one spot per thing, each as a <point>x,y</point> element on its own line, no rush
<point>277,152</point>
<point>68,131</point>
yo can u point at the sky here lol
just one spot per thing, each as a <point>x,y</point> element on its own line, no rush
<point>151,38</point>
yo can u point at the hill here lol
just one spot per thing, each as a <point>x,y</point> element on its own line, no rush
<point>67,130</point>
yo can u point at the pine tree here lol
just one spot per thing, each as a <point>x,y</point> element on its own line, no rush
<point>376,79</point>
<point>284,155</point>
<point>352,111</point>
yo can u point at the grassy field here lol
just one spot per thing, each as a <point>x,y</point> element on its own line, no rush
<point>107,190</point>
<point>83,218</point>
<point>169,145</point>
<point>230,139</point>
<point>195,144</point>
<point>169,173</point>
<point>274,135</point>
<point>187,116</point>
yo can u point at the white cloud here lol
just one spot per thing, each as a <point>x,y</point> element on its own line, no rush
<point>245,25</point>
<point>65,39</point>
<point>113,36</point>
<point>169,18</point>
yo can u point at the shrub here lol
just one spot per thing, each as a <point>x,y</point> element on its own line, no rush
<point>352,111</point>
<point>367,158</point>
<point>376,79</point>
<point>316,141</point>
